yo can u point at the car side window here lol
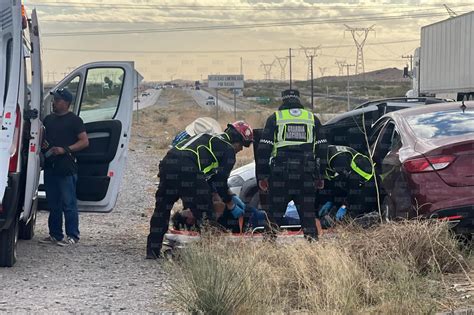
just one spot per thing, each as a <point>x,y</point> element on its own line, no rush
<point>396,141</point>
<point>384,142</point>
<point>101,96</point>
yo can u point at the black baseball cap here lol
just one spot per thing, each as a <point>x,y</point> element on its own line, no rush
<point>63,94</point>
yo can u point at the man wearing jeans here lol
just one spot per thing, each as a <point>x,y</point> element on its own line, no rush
<point>65,135</point>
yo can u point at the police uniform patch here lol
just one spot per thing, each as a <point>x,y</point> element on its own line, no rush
<point>296,132</point>
<point>296,112</point>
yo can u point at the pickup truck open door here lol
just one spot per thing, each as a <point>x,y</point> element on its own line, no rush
<point>103,98</point>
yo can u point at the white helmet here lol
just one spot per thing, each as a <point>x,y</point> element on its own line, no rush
<point>203,125</point>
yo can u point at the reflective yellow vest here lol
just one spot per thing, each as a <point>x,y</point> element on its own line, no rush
<point>289,122</point>
<point>331,173</point>
<point>191,146</point>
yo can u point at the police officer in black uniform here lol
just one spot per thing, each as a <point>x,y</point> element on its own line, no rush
<point>349,181</point>
<point>195,170</point>
<point>291,160</point>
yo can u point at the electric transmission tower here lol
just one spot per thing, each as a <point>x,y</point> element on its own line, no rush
<point>310,53</point>
<point>322,70</point>
<point>359,34</point>
<point>340,65</point>
<point>282,61</point>
<point>267,67</point>
<point>450,11</point>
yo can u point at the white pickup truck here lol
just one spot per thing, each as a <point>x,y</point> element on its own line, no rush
<point>107,114</point>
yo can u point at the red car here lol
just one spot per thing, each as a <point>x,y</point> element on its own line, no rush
<point>425,163</point>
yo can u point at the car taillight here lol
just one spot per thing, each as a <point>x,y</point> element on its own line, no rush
<point>428,164</point>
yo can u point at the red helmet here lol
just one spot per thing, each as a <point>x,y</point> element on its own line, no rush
<point>244,130</point>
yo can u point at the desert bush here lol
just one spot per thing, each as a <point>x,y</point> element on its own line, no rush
<point>391,269</point>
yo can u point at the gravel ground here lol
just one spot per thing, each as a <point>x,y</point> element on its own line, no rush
<point>106,271</point>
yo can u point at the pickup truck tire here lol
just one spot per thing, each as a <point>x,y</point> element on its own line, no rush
<point>27,231</point>
<point>8,244</point>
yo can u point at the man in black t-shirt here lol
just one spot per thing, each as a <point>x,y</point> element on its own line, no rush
<point>65,135</point>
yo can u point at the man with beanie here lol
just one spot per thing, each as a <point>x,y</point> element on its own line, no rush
<point>291,160</point>
<point>196,170</point>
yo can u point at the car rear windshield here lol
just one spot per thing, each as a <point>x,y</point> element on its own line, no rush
<point>442,124</point>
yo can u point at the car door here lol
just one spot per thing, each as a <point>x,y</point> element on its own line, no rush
<point>10,69</point>
<point>107,115</point>
<point>32,113</point>
<point>388,168</point>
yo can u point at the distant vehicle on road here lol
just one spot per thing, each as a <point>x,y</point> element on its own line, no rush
<point>424,163</point>
<point>210,97</point>
<point>145,94</point>
<point>211,102</point>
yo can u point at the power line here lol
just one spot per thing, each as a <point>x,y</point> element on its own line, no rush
<point>256,7</point>
<point>243,26</point>
<point>108,51</point>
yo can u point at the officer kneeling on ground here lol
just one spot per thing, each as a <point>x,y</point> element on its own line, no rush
<point>349,183</point>
<point>196,170</point>
<point>288,161</point>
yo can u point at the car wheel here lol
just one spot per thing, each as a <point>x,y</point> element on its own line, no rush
<point>27,231</point>
<point>8,245</point>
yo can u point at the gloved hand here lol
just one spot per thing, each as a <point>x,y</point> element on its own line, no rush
<point>237,211</point>
<point>325,209</point>
<point>236,200</point>
<point>341,213</point>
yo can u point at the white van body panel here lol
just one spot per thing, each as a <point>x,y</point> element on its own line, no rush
<point>11,29</point>
<point>34,146</point>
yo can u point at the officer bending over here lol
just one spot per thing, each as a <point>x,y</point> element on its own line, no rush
<point>195,170</point>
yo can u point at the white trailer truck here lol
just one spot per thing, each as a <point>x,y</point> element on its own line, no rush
<point>444,63</point>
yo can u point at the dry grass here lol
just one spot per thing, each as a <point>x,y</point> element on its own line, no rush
<point>391,269</point>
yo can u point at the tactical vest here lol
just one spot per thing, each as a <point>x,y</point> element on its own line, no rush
<point>356,159</point>
<point>196,146</point>
<point>294,128</point>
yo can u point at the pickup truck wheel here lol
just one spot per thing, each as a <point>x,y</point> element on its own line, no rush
<point>8,242</point>
<point>27,231</point>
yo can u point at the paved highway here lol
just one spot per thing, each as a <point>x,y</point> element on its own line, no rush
<point>201,97</point>
<point>148,100</point>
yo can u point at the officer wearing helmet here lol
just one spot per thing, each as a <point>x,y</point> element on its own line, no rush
<point>196,170</point>
<point>291,159</point>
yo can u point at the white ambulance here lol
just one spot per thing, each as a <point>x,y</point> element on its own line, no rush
<point>107,114</point>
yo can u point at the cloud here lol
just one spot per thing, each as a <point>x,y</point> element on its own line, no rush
<point>98,16</point>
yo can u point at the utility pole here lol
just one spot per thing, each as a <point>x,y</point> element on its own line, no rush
<point>241,66</point>
<point>310,53</point>
<point>289,57</point>
<point>282,61</point>
<point>267,67</point>
<point>359,34</point>
<point>312,85</point>
<point>340,65</point>
<point>348,87</point>
<point>411,63</point>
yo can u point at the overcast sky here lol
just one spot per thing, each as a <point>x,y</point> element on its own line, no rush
<point>187,39</point>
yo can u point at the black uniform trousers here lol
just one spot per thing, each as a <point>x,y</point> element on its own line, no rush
<point>293,179</point>
<point>179,178</point>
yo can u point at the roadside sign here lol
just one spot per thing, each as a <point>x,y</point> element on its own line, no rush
<point>229,81</point>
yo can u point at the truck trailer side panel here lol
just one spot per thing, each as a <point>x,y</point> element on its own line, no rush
<point>447,56</point>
